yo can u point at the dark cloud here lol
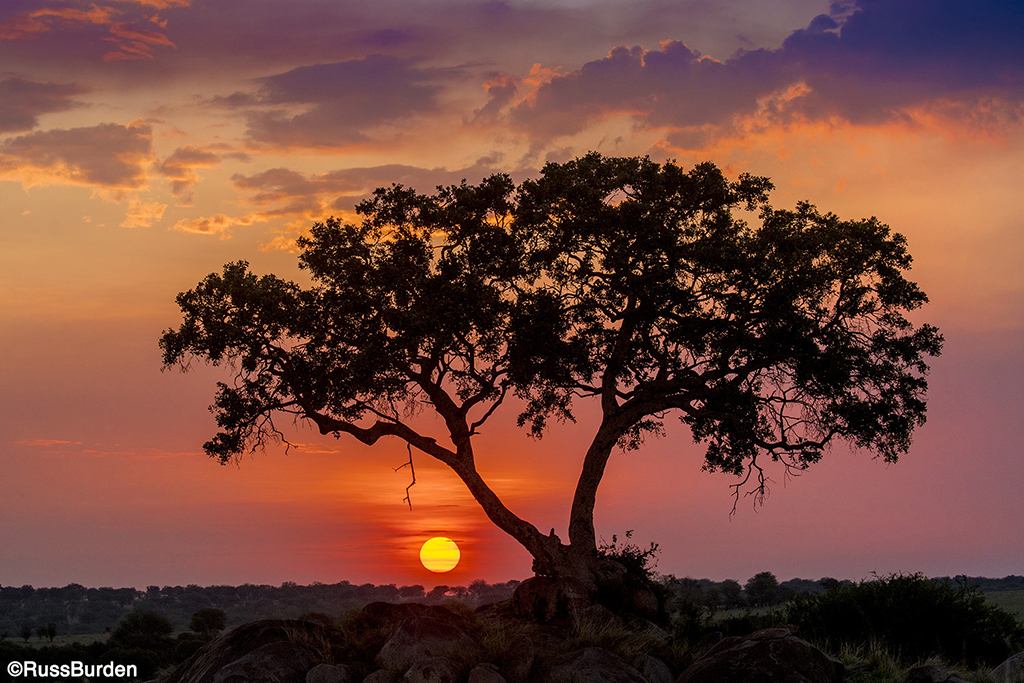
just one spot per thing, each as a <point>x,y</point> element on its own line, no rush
<point>108,155</point>
<point>180,167</point>
<point>671,86</point>
<point>501,88</point>
<point>342,100</point>
<point>291,192</point>
<point>22,102</point>
<point>866,64</point>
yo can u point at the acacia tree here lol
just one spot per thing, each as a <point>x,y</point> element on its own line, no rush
<point>617,282</point>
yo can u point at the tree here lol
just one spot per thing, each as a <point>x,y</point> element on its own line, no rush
<point>614,282</point>
<point>762,589</point>
<point>208,621</point>
<point>147,630</point>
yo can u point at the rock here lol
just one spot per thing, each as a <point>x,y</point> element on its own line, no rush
<point>328,673</point>
<point>767,656</point>
<point>624,592</point>
<point>517,661</point>
<point>236,644</point>
<point>271,663</point>
<point>486,673</point>
<point>1010,671</point>
<point>546,599</point>
<point>927,673</point>
<point>380,676</point>
<point>598,617</point>
<point>593,665</point>
<point>424,637</point>
<point>656,671</point>
<point>431,670</point>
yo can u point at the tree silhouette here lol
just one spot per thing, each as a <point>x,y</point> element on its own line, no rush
<point>762,589</point>
<point>614,282</point>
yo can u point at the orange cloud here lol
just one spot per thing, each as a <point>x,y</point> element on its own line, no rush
<point>131,42</point>
<point>217,225</point>
<point>46,442</point>
<point>143,215</point>
<point>107,156</point>
<point>134,43</point>
<point>39,21</point>
<point>158,4</point>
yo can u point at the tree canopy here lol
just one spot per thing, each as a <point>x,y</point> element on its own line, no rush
<point>634,286</point>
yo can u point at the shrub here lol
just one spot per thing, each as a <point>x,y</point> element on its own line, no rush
<point>911,615</point>
<point>636,560</point>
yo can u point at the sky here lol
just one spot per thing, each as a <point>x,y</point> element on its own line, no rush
<point>145,143</point>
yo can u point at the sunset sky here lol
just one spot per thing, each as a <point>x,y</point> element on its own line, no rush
<point>145,143</point>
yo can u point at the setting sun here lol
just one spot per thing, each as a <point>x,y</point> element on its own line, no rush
<point>440,554</point>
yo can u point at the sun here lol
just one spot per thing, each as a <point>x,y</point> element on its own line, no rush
<point>440,554</point>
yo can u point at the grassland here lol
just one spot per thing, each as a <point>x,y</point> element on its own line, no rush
<point>1011,601</point>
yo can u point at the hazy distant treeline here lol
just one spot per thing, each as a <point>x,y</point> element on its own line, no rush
<point>75,609</point>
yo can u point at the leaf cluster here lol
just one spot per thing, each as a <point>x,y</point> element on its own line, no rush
<point>637,284</point>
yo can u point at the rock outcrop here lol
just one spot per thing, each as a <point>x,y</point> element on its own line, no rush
<point>593,665</point>
<point>767,656</point>
<point>1010,671</point>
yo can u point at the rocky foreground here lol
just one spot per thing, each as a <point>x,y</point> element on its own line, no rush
<point>415,643</point>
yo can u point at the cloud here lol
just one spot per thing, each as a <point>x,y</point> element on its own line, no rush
<point>869,65</point>
<point>23,102</point>
<point>134,43</point>
<point>292,193</point>
<point>108,155</point>
<point>501,89</point>
<point>143,215</point>
<point>70,25</point>
<point>338,102</point>
<point>30,24</point>
<point>219,224</point>
<point>159,4</point>
<point>180,167</point>
<point>46,442</point>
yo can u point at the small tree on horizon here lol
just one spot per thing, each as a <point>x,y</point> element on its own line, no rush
<point>614,282</point>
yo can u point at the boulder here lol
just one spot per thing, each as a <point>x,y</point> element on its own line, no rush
<point>517,660</point>
<point>598,617</point>
<point>1010,671</point>
<point>236,644</point>
<point>486,673</point>
<point>656,671</point>
<point>927,673</point>
<point>624,592</point>
<point>767,656</point>
<point>380,676</point>
<point>548,599</point>
<point>271,663</point>
<point>329,673</point>
<point>421,638</point>
<point>431,670</point>
<point>593,665</point>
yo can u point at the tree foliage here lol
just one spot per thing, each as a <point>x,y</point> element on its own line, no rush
<point>635,286</point>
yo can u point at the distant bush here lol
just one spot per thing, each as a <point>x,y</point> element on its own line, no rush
<point>911,615</point>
